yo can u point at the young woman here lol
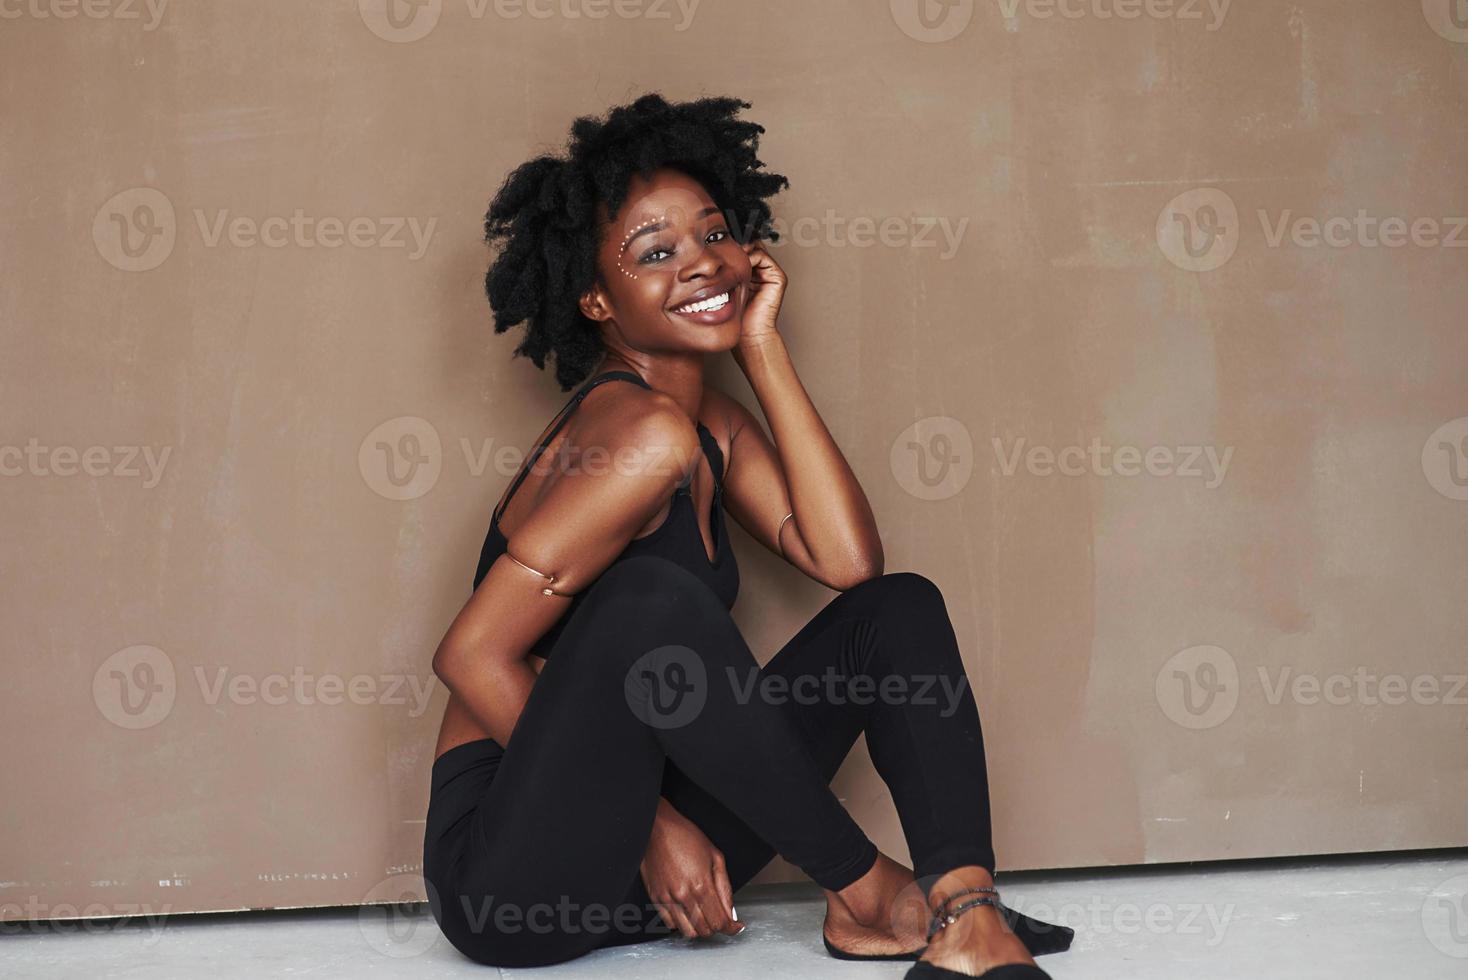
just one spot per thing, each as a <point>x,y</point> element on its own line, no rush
<point>613,762</point>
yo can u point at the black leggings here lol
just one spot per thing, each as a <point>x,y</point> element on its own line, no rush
<point>532,854</point>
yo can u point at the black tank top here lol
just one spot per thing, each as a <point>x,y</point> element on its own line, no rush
<point>677,538</point>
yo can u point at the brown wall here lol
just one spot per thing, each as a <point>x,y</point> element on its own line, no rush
<point>1005,234</point>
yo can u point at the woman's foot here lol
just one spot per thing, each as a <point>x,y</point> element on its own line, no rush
<point>979,939</point>
<point>880,913</point>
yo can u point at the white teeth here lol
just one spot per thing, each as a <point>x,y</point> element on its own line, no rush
<point>712,303</point>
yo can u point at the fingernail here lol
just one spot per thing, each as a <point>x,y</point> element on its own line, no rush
<point>735,912</point>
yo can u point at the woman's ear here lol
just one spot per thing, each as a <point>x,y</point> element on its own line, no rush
<point>593,305</point>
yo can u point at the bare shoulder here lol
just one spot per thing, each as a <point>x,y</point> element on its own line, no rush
<point>631,423</point>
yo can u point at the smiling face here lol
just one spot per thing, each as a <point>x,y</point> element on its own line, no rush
<point>672,277</point>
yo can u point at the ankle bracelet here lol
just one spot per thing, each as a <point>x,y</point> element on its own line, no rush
<point>943,918</point>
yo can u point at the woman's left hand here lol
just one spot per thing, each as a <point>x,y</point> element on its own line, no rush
<point>762,302</point>
<point>685,877</point>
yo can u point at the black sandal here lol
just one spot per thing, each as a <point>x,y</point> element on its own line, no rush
<point>1040,938</point>
<point>924,970</point>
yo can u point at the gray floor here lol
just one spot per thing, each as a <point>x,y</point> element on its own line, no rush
<point>1391,916</point>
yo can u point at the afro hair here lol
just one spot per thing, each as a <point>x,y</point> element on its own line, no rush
<point>546,215</point>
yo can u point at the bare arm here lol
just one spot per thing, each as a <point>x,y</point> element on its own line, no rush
<point>833,536</point>
<point>575,531</point>
<point>583,523</point>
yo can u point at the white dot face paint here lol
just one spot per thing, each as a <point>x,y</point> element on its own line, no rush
<point>638,241</point>
<point>622,249</point>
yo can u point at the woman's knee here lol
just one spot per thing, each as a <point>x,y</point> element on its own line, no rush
<point>643,602</point>
<point>523,949</point>
<point>506,934</point>
<point>911,620</point>
<point>652,590</point>
<point>900,595</point>
<point>646,575</point>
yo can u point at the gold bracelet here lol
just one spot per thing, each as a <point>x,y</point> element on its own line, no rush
<point>781,528</point>
<point>551,578</point>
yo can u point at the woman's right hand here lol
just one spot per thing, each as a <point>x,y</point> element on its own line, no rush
<point>684,874</point>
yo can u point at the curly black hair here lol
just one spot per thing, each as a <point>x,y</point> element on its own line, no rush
<point>546,213</point>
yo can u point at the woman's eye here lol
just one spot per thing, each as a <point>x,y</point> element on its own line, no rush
<point>717,235</point>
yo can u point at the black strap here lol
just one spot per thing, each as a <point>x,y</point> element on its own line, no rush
<point>711,450</point>
<point>713,454</point>
<point>561,417</point>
